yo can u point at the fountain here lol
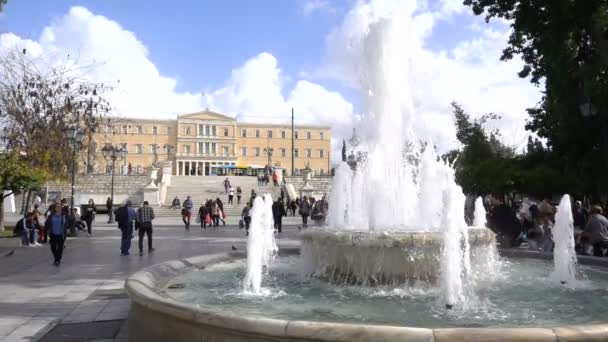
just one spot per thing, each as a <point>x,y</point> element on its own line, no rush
<point>564,256</point>
<point>396,260</point>
<point>479,216</point>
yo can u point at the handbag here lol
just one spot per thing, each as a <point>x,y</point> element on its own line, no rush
<point>241,224</point>
<point>208,219</point>
<point>198,219</point>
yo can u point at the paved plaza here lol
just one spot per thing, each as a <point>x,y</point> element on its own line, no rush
<point>84,299</point>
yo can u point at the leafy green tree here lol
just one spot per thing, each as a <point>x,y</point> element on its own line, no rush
<point>16,175</point>
<point>483,162</point>
<point>564,46</point>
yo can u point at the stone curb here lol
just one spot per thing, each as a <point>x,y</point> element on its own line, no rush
<point>155,317</point>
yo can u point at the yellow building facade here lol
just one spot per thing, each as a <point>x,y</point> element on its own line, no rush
<point>209,143</point>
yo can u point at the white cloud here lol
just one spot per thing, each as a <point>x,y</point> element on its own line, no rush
<point>320,6</point>
<point>470,73</point>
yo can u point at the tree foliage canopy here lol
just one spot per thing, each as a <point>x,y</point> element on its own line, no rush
<point>564,44</point>
<point>16,174</point>
<point>39,100</point>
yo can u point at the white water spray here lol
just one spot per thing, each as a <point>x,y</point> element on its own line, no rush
<point>479,216</point>
<point>261,246</point>
<point>564,255</point>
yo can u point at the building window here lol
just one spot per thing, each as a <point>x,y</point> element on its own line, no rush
<point>283,152</point>
<point>244,133</point>
<point>124,129</point>
<point>296,153</point>
<point>154,130</point>
<point>139,149</point>
<point>139,130</point>
<point>321,135</point>
<point>296,134</point>
<point>225,132</point>
<point>270,134</point>
<point>225,151</point>
<point>257,133</point>
<point>201,130</point>
<point>308,153</point>
<point>109,129</point>
<point>188,131</point>
<point>186,148</point>
<point>213,146</point>
<point>244,151</point>
<point>207,130</point>
<point>257,151</point>
<point>169,131</point>
<point>201,148</point>
<point>308,135</point>
<point>283,134</point>
<point>321,154</point>
<point>207,147</point>
<point>213,130</point>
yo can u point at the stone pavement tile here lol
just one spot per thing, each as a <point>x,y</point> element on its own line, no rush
<point>110,316</point>
<point>13,320</point>
<point>80,318</point>
<point>83,332</point>
<point>85,310</point>
<point>118,305</point>
<point>29,332</point>
<point>6,329</point>
<point>54,313</point>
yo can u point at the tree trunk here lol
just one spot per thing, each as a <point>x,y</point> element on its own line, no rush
<point>28,201</point>
<point>22,211</point>
<point>1,212</point>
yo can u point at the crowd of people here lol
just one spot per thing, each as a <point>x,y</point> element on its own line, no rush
<point>531,222</point>
<point>211,212</point>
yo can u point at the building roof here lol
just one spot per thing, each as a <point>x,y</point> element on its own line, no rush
<point>206,114</point>
<point>287,126</point>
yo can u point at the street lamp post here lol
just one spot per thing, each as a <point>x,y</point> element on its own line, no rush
<point>113,153</point>
<point>74,135</point>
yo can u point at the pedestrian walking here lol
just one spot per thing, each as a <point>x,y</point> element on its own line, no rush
<point>187,212</point>
<point>88,215</point>
<point>278,211</point>
<point>56,226</point>
<point>231,196</point>
<point>226,186</point>
<point>202,215</point>
<point>109,205</point>
<point>246,216</point>
<point>239,193</point>
<point>145,215</point>
<point>125,217</point>
<point>220,211</point>
<point>305,211</point>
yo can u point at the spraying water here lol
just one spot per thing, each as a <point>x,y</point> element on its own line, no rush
<point>261,246</point>
<point>564,255</point>
<point>479,217</point>
<point>399,185</point>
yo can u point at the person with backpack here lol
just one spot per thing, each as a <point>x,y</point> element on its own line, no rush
<point>125,217</point>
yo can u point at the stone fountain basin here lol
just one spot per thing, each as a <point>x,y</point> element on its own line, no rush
<point>156,317</point>
<point>381,258</point>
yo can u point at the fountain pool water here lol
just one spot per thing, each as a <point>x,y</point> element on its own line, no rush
<point>396,250</point>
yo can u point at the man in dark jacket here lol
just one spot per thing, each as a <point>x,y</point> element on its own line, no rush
<point>56,226</point>
<point>125,216</point>
<point>278,211</point>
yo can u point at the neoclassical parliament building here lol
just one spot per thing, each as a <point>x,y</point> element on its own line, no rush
<point>209,143</point>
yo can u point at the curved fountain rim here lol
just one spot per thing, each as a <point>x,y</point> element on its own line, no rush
<point>144,289</point>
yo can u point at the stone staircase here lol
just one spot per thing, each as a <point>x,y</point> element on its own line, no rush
<point>202,188</point>
<point>322,185</point>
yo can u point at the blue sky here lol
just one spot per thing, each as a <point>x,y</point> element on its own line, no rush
<point>261,57</point>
